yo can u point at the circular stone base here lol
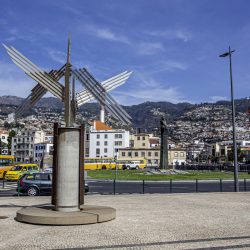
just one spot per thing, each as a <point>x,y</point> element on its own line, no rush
<point>47,216</point>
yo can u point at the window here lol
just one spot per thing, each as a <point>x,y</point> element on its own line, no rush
<point>97,136</point>
<point>129,154</point>
<point>138,138</point>
<point>176,154</point>
<point>149,153</point>
<point>105,150</point>
<point>142,154</point>
<point>105,143</point>
<point>143,144</point>
<point>36,147</point>
<point>143,138</point>
<point>87,137</point>
<point>30,177</point>
<point>105,136</point>
<point>118,143</point>
<point>87,151</point>
<point>123,154</point>
<point>136,154</point>
<point>97,143</point>
<point>3,137</point>
<point>44,177</point>
<point>156,153</point>
<point>98,151</point>
<point>182,154</point>
<point>118,136</point>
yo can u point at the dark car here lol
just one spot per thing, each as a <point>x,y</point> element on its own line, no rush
<point>38,183</point>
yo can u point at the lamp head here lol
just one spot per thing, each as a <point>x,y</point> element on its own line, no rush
<point>224,55</point>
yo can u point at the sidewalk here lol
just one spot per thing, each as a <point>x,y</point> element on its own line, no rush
<point>167,221</point>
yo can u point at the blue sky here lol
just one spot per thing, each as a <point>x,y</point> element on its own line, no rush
<point>172,47</point>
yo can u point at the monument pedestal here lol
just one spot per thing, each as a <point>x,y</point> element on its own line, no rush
<point>48,216</point>
<point>67,186</point>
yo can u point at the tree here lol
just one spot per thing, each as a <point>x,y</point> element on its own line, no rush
<point>6,125</point>
<point>12,134</point>
<point>240,155</point>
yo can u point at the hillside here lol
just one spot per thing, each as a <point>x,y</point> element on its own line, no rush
<point>145,115</point>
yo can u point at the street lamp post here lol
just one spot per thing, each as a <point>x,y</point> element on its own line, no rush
<point>236,181</point>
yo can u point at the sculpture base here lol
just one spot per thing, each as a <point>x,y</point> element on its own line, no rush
<point>47,216</point>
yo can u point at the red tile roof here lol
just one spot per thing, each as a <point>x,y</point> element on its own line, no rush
<point>98,125</point>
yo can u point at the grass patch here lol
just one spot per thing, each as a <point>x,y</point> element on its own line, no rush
<point>141,175</point>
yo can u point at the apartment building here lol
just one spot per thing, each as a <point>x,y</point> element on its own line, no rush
<point>42,149</point>
<point>4,134</point>
<point>140,140</point>
<point>176,156</point>
<point>23,144</point>
<point>104,141</point>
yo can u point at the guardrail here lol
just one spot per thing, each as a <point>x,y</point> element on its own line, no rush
<point>172,186</point>
<point>216,167</point>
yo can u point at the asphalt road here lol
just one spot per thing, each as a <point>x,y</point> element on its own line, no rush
<point>132,187</point>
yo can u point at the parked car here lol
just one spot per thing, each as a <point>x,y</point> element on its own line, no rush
<point>131,165</point>
<point>49,169</point>
<point>37,183</point>
<point>19,170</point>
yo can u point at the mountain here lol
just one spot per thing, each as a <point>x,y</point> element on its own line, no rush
<point>145,115</point>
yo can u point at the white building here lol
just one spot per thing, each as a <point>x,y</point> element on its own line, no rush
<point>103,141</point>
<point>42,149</point>
<point>48,138</point>
<point>11,117</point>
<point>4,136</point>
<point>23,144</point>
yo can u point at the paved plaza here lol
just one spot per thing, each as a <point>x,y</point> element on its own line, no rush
<point>159,221</point>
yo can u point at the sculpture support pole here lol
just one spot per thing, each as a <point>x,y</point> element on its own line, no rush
<point>67,179</point>
<point>67,101</point>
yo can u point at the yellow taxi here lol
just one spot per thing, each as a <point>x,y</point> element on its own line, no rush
<point>19,170</point>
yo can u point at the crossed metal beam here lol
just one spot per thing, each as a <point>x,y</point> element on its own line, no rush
<point>49,82</point>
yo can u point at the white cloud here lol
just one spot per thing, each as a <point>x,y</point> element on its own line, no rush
<point>217,98</point>
<point>149,47</point>
<point>14,34</point>
<point>13,81</point>
<point>136,96</point>
<point>105,33</point>
<point>110,35</point>
<point>146,88</point>
<point>181,34</point>
<point>56,55</point>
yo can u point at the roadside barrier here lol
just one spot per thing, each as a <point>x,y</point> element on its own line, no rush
<point>174,186</point>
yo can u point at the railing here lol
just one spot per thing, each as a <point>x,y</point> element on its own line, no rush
<point>171,186</point>
<point>153,187</point>
<point>243,168</point>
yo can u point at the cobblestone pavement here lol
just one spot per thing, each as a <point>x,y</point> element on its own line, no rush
<point>157,221</point>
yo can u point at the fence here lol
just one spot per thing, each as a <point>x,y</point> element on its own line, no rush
<point>171,186</point>
<point>242,168</point>
<point>152,187</point>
